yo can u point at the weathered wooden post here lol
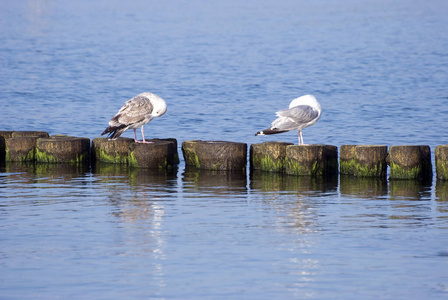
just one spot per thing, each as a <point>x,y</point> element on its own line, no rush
<point>215,155</point>
<point>441,157</point>
<point>347,161</point>
<point>311,160</point>
<point>21,148</point>
<point>20,145</point>
<point>63,149</point>
<point>363,160</point>
<point>410,162</point>
<point>159,154</point>
<point>3,136</point>
<point>116,151</point>
<point>268,156</point>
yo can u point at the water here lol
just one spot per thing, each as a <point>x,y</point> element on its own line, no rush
<point>378,69</point>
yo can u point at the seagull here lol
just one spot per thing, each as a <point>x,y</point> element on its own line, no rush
<point>135,113</point>
<point>302,112</point>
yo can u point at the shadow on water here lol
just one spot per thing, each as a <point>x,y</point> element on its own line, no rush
<point>214,182</point>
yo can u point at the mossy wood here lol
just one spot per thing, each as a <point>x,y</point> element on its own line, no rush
<point>21,149</point>
<point>363,160</point>
<point>311,160</point>
<point>160,154</point>
<point>116,151</point>
<point>347,160</point>
<point>3,136</point>
<point>63,149</point>
<point>268,156</point>
<point>410,162</point>
<point>441,157</point>
<point>215,155</point>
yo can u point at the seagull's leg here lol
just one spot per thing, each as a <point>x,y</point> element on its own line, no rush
<point>300,138</point>
<point>135,136</point>
<point>143,135</point>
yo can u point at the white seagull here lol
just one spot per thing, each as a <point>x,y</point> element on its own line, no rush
<point>302,112</point>
<point>135,113</point>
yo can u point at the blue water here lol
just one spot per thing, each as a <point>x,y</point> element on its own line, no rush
<point>379,70</point>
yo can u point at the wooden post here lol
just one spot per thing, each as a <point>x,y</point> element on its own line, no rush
<point>21,149</point>
<point>268,156</point>
<point>363,160</point>
<point>116,151</point>
<point>63,149</point>
<point>410,162</point>
<point>215,155</point>
<point>159,154</point>
<point>311,160</point>
<point>347,160</point>
<point>3,136</point>
<point>441,156</point>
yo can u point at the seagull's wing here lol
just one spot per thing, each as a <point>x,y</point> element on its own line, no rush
<point>294,118</point>
<point>133,111</point>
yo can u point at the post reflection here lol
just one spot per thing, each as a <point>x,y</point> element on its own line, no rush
<point>139,199</point>
<point>214,182</point>
<point>409,189</point>
<point>441,194</point>
<point>276,182</point>
<point>296,203</point>
<point>368,188</point>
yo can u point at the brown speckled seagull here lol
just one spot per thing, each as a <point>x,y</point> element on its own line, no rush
<point>302,112</point>
<point>135,113</point>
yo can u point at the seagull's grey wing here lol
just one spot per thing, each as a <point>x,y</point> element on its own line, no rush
<point>133,111</point>
<point>294,117</point>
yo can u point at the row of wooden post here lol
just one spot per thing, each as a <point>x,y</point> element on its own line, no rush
<point>404,162</point>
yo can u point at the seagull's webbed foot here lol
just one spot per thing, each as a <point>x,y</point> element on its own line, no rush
<point>144,142</point>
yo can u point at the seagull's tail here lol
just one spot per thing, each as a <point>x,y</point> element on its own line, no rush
<point>270,131</point>
<point>114,131</point>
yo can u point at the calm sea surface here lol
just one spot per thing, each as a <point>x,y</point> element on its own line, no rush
<point>380,72</point>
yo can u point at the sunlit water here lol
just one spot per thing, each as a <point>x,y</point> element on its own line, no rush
<point>379,70</point>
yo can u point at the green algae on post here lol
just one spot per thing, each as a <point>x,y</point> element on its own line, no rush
<point>363,160</point>
<point>268,156</point>
<point>159,154</point>
<point>441,157</point>
<point>215,155</point>
<point>116,151</point>
<point>21,149</point>
<point>410,162</point>
<point>316,160</point>
<point>63,149</point>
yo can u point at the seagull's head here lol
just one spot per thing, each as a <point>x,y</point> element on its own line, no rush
<point>159,106</point>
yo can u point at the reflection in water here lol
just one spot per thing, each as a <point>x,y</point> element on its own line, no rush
<point>442,190</point>
<point>369,188</point>
<point>442,200</point>
<point>214,182</point>
<point>409,189</point>
<point>296,203</point>
<point>140,197</point>
<point>274,182</point>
